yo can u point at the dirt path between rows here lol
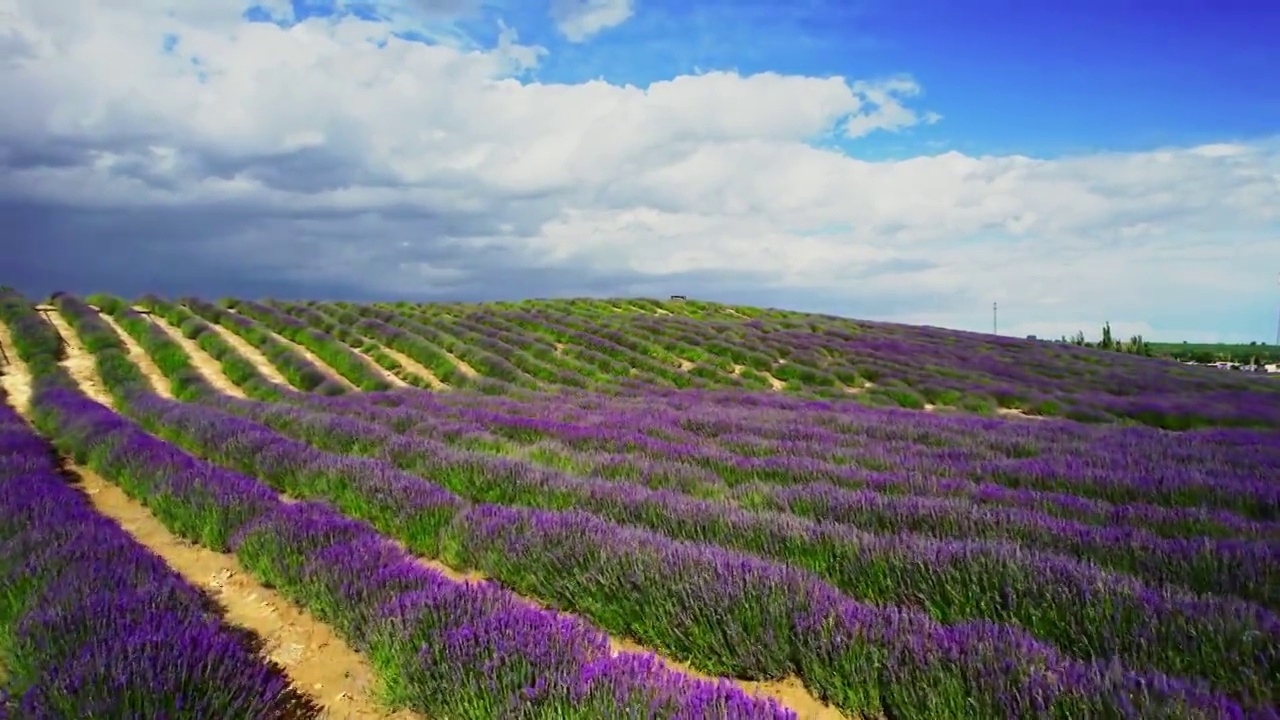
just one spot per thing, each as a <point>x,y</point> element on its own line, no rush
<point>140,358</point>
<point>416,368</point>
<point>203,362</point>
<point>791,692</point>
<point>316,661</point>
<point>302,350</point>
<point>256,358</point>
<point>15,380</point>
<point>294,642</point>
<point>79,363</point>
<point>462,365</point>
<point>382,372</point>
<point>774,383</point>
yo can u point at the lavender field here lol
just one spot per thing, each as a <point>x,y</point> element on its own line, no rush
<point>624,509</point>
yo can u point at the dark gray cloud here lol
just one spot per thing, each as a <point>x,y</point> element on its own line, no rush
<point>183,251</point>
<point>312,162</point>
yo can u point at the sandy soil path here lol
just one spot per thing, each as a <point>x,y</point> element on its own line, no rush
<point>140,358</point>
<point>317,662</point>
<point>321,365</point>
<point>416,368</point>
<point>203,362</point>
<point>255,356</point>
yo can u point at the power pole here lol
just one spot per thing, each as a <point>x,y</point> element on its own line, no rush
<point>995,325</point>
<point>1278,324</point>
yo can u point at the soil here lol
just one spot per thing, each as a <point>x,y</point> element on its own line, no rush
<point>202,361</point>
<point>788,691</point>
<point>255,357</point>
<point>774,382</point>
<point>382,372</point>
<point>14,377</point>
<point>463,367</point>
<point>315,360</point>
<point>316,661</point>
<point>1018,413</point>
<point>79,363</point>
<point>416,368</point>
<point>141,359</point>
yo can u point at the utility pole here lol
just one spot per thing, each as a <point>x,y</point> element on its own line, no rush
<point>995,326</point>
<point>1278,323</point>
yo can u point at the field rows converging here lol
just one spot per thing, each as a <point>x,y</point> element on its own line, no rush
<point>293,665</point>
<point>592,672</point>
<point>587,508</point>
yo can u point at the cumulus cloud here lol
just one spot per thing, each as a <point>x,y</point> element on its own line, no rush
<point>332,153</point>
<point>887,111</point>
<point>578,20</point>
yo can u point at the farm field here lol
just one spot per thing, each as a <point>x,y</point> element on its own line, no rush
<point>621,508</point>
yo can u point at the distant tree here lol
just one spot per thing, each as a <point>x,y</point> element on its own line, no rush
<point>1108,343</point>
<point>1138,346</point>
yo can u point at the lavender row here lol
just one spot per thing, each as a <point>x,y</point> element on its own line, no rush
<point>442,647</point>
<point>869,660</point>
<point>93,624</point>
<point>427,354</point>
<point>429,416</point>
<point>577,353</point>
<point>332,351</point>
<point>580,357</point>
<point>185,382</point>
<point>344,332</point>
<point>911,366</point>
<point>605,685</point>
<point>299,371</point>
<point>231,441</point>
<point>1084,610</point>
<point>502,374</point>
<point>238,454</point>
<point>1111,465</point>
<point>1244,568</point>
<point>238,369</point>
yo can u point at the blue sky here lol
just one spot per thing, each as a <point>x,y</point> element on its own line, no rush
<point>1076,161</point>
<point>1044,79</point>
<point>1036,78</point>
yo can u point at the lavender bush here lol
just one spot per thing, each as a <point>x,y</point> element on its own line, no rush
<point>92,624</point>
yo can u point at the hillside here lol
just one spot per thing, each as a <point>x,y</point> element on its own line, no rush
<point>702,510</point>
<point>612,345</point>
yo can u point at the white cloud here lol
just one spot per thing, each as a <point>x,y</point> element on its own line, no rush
<point>578,20</point>
<point>711,174</point>
<point>888,112</point>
